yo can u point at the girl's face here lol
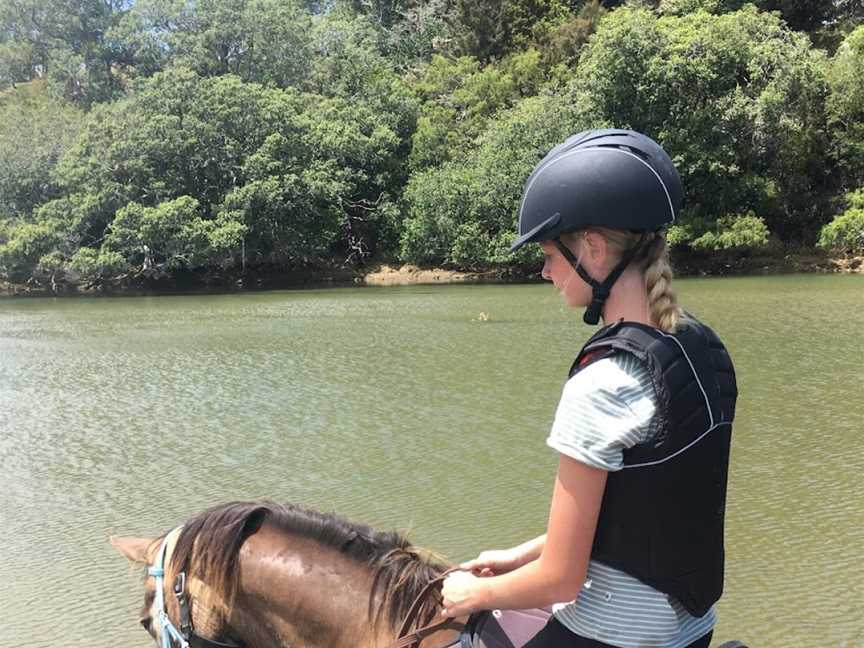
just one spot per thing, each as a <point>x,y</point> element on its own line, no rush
<point>562,275</point>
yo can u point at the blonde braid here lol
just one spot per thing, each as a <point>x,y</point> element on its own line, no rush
<point>662,300</point>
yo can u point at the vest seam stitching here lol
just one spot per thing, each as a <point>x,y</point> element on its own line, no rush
<point>684,449</point>
<point>695,375</point>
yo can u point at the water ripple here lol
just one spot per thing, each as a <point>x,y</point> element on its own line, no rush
<point>397,407</point>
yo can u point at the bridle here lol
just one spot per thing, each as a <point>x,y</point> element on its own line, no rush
<point>185,636</point>
<point>412,638</point>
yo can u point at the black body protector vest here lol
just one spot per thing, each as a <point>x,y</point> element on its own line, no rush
<point>661,518</point>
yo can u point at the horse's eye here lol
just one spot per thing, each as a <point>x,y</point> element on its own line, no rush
<point>145,623</point>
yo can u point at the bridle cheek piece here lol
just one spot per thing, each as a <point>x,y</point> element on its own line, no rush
<point>169,635</point>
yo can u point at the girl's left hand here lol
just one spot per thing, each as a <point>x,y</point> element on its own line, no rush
<point>463,594</point>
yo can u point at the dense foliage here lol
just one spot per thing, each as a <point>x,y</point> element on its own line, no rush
<point>846,232</point>
<point>144,139</point>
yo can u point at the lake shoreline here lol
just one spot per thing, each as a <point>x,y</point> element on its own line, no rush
<point>387,274</point>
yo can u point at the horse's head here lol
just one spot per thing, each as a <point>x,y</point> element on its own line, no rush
<point>141,551</point>
<point>307,578</point>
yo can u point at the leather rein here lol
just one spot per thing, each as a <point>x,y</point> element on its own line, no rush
<point>411,638</point>
<point>185,636</point>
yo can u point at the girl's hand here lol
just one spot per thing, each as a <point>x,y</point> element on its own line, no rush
<point>495,562</point>
<point>463,594</point>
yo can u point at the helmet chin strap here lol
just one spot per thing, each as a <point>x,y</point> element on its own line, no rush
<point>600,290</point>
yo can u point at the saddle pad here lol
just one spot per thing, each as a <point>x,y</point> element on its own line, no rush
<point>505,628</point>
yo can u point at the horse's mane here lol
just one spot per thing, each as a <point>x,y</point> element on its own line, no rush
<point>209,543</point>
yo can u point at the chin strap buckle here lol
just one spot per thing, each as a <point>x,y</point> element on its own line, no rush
<point>600,293</point>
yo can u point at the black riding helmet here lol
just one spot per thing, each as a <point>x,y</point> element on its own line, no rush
<point>606,177</point>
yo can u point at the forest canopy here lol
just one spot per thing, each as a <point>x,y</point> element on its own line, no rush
<point>141,140</point>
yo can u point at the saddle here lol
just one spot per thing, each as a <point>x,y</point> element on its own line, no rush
<point>503,628</point>
<point>488,629</point>
<point>514,628</point>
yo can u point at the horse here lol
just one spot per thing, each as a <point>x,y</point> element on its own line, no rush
<point>268,575</point>
<point>274,575</point>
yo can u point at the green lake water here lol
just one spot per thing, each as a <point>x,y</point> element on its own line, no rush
<point>400,407</point>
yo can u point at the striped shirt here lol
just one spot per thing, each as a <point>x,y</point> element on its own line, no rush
<point>606,408</point>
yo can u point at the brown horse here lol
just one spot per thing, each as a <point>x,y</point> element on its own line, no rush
<point>260,574</point>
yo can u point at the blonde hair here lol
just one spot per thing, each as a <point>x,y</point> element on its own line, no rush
<point>653,263</point>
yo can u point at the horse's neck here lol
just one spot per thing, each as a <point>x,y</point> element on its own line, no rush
<point>293,592</point>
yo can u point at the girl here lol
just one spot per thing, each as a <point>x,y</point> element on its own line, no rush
<point>634,539</point>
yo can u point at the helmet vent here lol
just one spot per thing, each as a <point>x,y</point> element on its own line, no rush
<point>597,135</point>
<point>629,149</point>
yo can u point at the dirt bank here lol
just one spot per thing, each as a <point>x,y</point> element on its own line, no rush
<point>386,275</point>
<point>804,262</point>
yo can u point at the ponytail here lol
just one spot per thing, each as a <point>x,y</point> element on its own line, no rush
<point>662,300</point>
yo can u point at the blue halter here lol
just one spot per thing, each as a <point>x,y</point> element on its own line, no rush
<point>167,630</point>
<point>185,637</point>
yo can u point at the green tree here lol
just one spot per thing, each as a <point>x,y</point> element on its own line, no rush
<point>349,65</point>
<point>35,130</point>
<point>190,172</point>
<point>424,29</point>
<point>265,41</point>
<point>463,213</point>
<point>564,41</point>
<point>845,108</point>
<point>490,29</point>
<point>70,42</point>
<point>383,12</point>
<point>683,7</point>
<point>849,14</point>
<point>460,96</point>
<point>803,15</point>
<point>38,244</point>
<point>737,100</point>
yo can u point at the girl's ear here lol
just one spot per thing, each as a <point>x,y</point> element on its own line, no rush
<point>595,246</point>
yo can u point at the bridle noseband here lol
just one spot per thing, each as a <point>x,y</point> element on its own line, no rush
<point>185,637</point>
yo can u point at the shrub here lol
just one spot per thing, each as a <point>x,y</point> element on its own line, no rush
<point>855,199</point>
<point>737,231</point>
<point>91,265</point>
<point>29,243</point>
<point>845,234</point>
<point>682,7</point>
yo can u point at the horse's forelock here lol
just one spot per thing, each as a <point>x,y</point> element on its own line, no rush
<point>209,544</point>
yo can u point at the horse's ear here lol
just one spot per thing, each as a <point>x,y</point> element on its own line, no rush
<point>135,549</point>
